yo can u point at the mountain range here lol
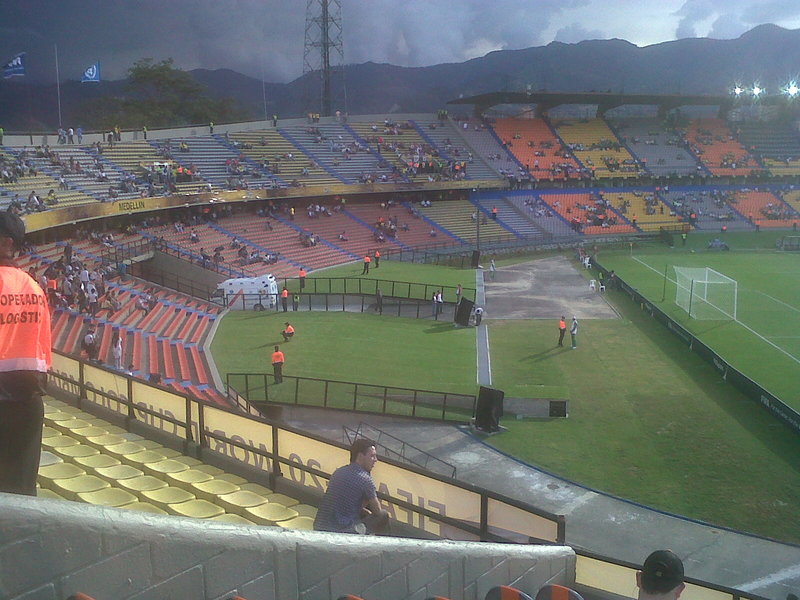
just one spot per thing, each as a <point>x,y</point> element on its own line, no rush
<point>767,54</point>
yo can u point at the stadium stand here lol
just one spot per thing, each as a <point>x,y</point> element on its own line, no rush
<point>791,197</point>
<point>441,135</point>
<point>705,208</point>
<point>597,148</point>
<point>335,147</point>
<point>520,222</point>
<point>454,218</point>
<point>644,209</point>
<point>660,150</point>
<point>717,149</point>
<point>289,240</point>
<point>483,140</point>
<point>776,145</point>
<point>764,208</point>
<point>218,164</point>
<point>87,459</point>
<point>540,213</point>
<point>83,171</point>
<point>537,147</point>
<point>401,145</point>
<point>284,159</point>
<point>588,213</point>
<point>25,184</point>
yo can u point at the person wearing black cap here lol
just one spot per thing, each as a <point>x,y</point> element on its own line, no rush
<point>661,577</point>
<point>25,358</point>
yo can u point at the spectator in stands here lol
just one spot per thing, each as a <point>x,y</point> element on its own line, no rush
<point>350,504</point>
<point>89,344</point>
<point>112,303</point>
<point>142,304</point>
<point>661,577</point>
<point>116,349</point>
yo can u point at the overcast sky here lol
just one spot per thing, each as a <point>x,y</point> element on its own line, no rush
<point>266,36</point>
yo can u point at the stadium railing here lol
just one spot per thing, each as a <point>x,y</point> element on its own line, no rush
<point>298,460</point>
<point>260,390</point>
<point>400,307</point>
<point>389,288</point>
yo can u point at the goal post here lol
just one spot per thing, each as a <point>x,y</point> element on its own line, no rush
<point>706,294</point>
<point>789,243</point>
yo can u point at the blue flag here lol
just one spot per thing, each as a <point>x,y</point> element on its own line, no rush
<point>92,73</point>
<point>14,67</point>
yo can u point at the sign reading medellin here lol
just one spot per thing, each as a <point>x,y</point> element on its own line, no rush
<point>130,205</point>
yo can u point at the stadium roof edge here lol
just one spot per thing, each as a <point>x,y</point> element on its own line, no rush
<point>604,100</point>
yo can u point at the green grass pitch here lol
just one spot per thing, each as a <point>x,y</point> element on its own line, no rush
<point>649,421</point>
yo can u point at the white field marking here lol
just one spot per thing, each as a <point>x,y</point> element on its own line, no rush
<point>789,306</point>
<point>776,577</point>
<point>488,354</point>
<point>750,329</point>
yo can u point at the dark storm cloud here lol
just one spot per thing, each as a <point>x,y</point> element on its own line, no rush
<point>254,35</point>
<point>266,36</point>
<point>724,19</point>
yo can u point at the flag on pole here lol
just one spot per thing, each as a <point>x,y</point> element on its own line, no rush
<point>92,74</point>
<point>14,67</point>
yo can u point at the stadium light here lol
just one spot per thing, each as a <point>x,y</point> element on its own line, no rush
<point>791,89</point>
<point>738,90</point>
<point>757,90</point>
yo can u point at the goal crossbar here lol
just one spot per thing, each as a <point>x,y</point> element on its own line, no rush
<point>706,294</point>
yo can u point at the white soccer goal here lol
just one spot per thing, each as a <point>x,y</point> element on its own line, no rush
<point>789,243</point>
<point>705,293</point>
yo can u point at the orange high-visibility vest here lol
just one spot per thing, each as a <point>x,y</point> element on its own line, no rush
<point>289,329</point>
<point>302,272</point>
<point>284,293</point>
<point>25,343</point>
<point>277,357</point>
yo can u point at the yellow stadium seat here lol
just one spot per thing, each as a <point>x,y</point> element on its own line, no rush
<point>198,509</point>
<point>269,513</point>
<point>70,488</point>
<point>167,495</point>
<point>108,497</point>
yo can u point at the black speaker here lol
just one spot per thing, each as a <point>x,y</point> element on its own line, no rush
<point>558,408</point>
<point>476,258</point>
<point>489,409</point>
<point>463,312</point>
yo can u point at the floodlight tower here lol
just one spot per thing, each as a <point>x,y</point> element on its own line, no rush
<point>322,53</point>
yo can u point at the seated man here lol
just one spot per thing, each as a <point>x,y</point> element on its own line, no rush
<point>288,332</point>
<point>350,504</point>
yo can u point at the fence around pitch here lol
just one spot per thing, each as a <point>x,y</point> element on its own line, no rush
<point>399,307</point>
<point>260,389</point>
<point>369,287</point>
<point>434,504</point>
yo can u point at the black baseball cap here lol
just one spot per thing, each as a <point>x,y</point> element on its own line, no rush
<point>662,572</point>
<point>12,226</point>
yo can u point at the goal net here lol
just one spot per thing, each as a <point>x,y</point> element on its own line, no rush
<point>705,293</point>
<point>789,243</point>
